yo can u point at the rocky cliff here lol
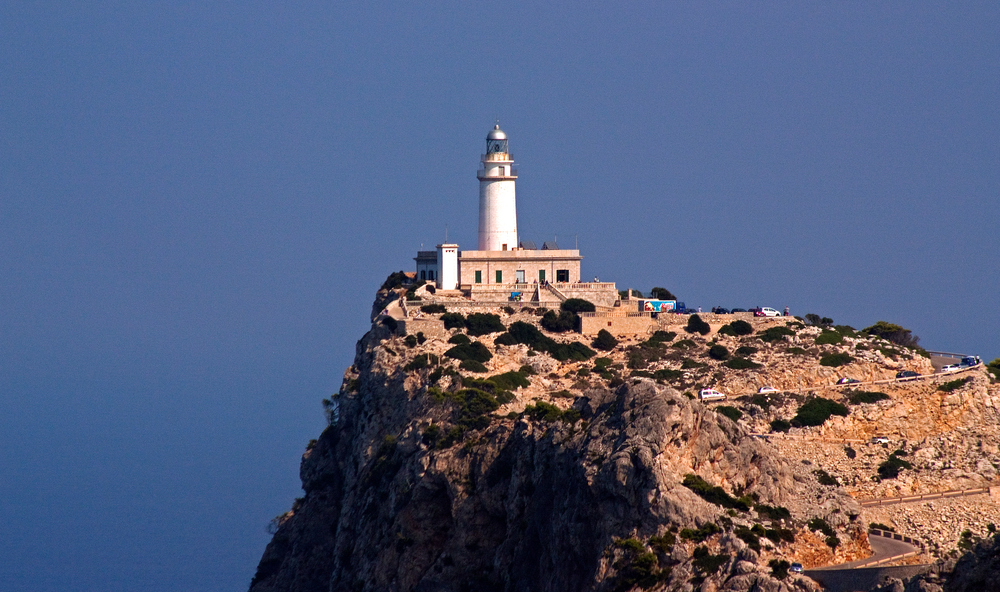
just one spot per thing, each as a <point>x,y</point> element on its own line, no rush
<point>546,467</point>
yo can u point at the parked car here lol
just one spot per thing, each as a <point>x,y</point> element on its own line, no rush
<point>906,375</point>
<point>846,380</point>
<point>951,368</point>
<point>766,312</point>
<point>795,568</point>
<point>880,440</point>
<point>720,310</point>
<point>735,310</point>
<point>708,394</point>
<point>970,361</point>
<point>766,389</point>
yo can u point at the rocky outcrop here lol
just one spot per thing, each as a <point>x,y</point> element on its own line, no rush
<point>590,501</point>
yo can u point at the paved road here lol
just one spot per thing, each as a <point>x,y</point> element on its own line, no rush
<point>882,548</point>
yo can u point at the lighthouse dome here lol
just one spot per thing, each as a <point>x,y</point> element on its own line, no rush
<point>496,133</point>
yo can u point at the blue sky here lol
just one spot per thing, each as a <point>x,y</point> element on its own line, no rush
<point>198,201</point>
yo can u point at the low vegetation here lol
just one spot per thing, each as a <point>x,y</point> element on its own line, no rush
<point>697,325</point>
<point>829,338</point>
<point>835,360</point>
<point>470,351</point>
<point>453,320</point>
<point>715,494</point>
<point>718,352</point>
<point>433,309</point>
<point>892,465</point>
<point>728,411</point>
<point>560,322</point>
<point>736,329</point>
<point>483,324</point>
<point>953,385</point>
<point>774,334</point>
<point>893,334</point>
<point>742,364</point>
<point>521,332</point>
<point>866,397</point>
<point>604,341</point>
<point>817,410</point>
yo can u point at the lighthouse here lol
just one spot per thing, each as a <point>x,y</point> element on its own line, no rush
<point>497,204</point>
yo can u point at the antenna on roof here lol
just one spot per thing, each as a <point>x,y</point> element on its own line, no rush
<point>445,233</point>
<point>576,241</point>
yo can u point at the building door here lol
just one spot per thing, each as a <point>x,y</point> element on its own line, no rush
<point>520,276</point>
<point>541,276</point>
<point>499,276</point>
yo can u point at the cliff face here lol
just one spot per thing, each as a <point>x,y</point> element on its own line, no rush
<point>416,487</point>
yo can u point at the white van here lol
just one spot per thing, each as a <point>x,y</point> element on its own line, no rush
<point>708,394</point>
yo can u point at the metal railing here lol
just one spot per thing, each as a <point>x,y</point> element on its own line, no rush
<point>909,499</point>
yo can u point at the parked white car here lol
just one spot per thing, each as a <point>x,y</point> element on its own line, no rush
<point>766,312</point>
<point>766,389</point>
<point>708,394</point>
<point>951,368</point>
<point>880,440</point>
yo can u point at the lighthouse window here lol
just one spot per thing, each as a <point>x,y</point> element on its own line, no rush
<point>562,275</point>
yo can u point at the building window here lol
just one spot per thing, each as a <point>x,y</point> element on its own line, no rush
<point>430,275</point>
<point>503,247</point>
<point>562,275</point>
<point>479,277</point>
<point>500,275</point>
<point>520,276</point>
<point>541,276</point>
<point>423,274</point>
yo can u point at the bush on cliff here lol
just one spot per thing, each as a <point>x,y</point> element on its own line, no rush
<point>662,294</point>
<point>742,364</point>
<point>836,360</point>
<point>529,335</point>
<point>891,467</point>
<point>453,320</point>
<point>952,385</point>
<point>775,334</point>
<point>470,351</point>
<point>560,323</point>
<point>866,397</point>
<point>893,334</point>
<point>433,309</point>
<point>395,280</point>
<point>718,352</point>
<point>829,338</point>
<point>483,324</point>
<point>736,329</point>
<point>697,325</point>
<point>604,341</point>
<point>817,410</point>
<point>577,305</point>
<point>714,494</point>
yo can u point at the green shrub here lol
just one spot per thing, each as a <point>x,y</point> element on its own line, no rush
<point>410,341</point>
<point>866,397</point>
<point>817,410</point>
<point>955,384</point>
<point>798,351</point>
<point>832,542</point>
<point>470,351</point>
<point>577,305</point>
<point>700,534</point>
<point>483,324</point>
<point>742,364</point>
<point>431,435</point>
<point>605,341</point>
<point>473,366</point>
<point>822,526</point>
<point>846,330</point>
<point>560,323</point>
<point>835,360</point>
<point>994,368</point>
<point>772,512</point>
<point>433,309</point>
<point>666,336</point>
<point>662,294</point>
<point>775,334</point>
<point>731,412</point>
<point>529,335</point>
<point>459,339</point>
<point>418,362</point>
<point>736,329</point>
<point>850,452</point>
<point>526,370</point>
<point>745,350</point>
<point>779,535</point>
<point>891,467</point>
<point>829,338</point>
<point>420,337</point>
<point>510,380</point>
<point>718,352</point>
<point>390,323</point>
<point>602,364</point>
<point>892,333</point>
<point>696,325</point>
<point>749,537</point>
<point>706,562</point>
<point>668,375</point>
<point>505,339</point>
<point>542,411</point>
<point>825,478</point>
<point>780,425</point>
<point>880,526</point>
<point>684,344</point>
<point>713,493</point>
<point>453,320</point>
<point>508,310</point>
<point>779,568</point>
<point>395,280</point>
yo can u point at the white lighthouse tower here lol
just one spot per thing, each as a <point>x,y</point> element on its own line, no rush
<point>497,205</point>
